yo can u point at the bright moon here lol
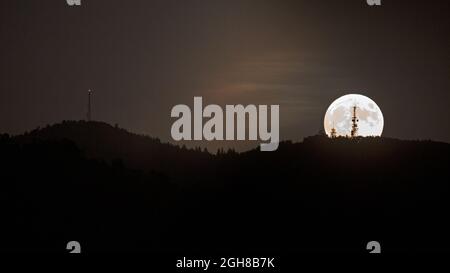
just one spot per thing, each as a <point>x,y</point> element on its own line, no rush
<point>339,116</point>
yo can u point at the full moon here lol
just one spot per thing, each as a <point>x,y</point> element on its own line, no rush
<point>339,115</point>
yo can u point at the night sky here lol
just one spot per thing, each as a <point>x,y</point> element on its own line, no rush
<point>143,57</point>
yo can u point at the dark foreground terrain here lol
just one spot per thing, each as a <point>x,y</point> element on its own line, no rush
<point>116,191</point>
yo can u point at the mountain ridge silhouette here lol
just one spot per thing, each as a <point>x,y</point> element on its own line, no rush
<point>118,191</point>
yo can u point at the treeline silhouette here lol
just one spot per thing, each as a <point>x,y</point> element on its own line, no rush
<point>112,190</point>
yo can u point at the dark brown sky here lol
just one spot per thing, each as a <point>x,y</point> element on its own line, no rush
<point>142,57</point>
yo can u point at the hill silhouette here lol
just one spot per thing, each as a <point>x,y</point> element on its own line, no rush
<point>102,141</point>
<point>117,191</point>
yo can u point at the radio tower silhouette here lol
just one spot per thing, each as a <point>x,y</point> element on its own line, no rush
<point>354,131</point>
<point>89,105</point>
<point>333,132</point>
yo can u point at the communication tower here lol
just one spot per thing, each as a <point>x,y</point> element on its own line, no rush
<point>89,105</point>
<point>354,131</point>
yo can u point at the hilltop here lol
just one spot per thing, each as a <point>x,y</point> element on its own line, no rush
<point>96,182</point>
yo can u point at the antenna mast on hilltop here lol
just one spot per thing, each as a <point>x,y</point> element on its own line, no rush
<point>333,133</point>
<point>89,105</point>
<point>354,131</point>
